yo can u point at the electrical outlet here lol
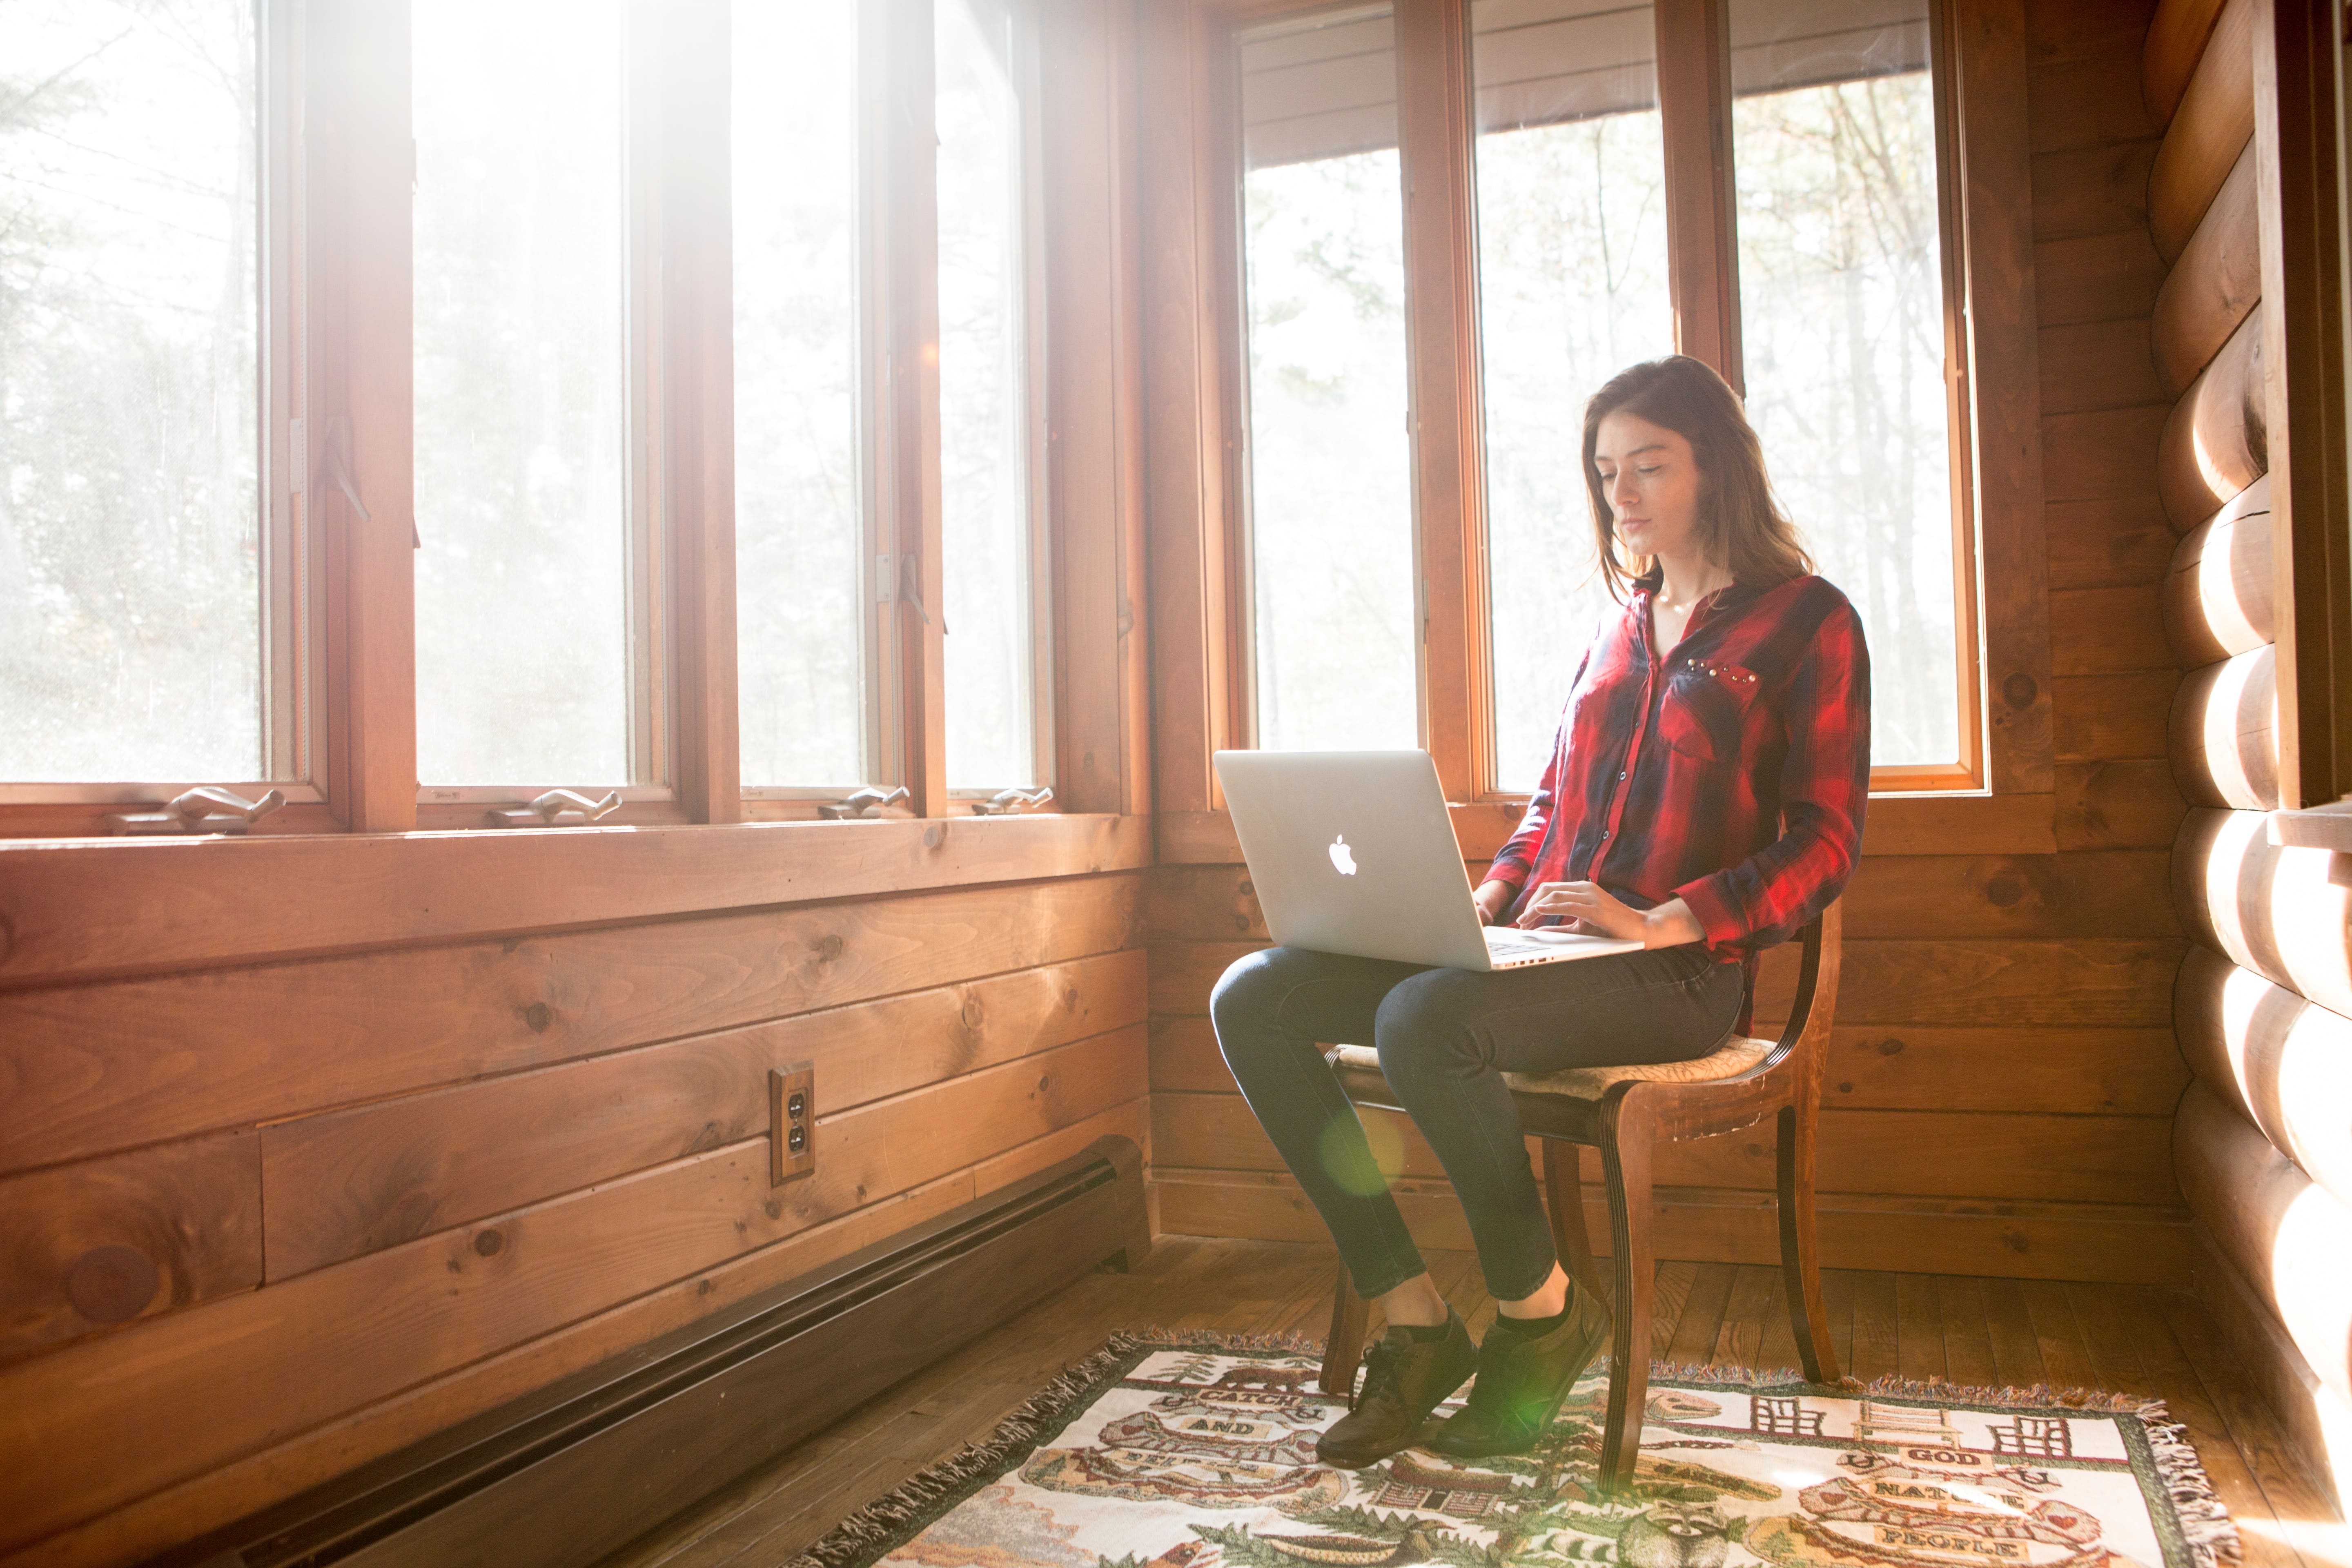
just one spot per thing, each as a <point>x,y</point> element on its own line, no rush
<point>791,1122</point>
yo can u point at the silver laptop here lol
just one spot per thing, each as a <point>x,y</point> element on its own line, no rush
<point>1354,852</point>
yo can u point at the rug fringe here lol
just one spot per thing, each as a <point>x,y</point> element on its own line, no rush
<point>1035,1418</point>
<point>2206,1528</point>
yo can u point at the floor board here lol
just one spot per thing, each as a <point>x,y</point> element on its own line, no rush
<point>2122,1339</point>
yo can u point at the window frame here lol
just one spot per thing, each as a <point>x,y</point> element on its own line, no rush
<point>880,587</point>
<point>1038,592</point>
<point>650,238</point>
<point>1276,21</point>
<point>338,293</point>
<point>2002,649</point>
<point>292,645</point>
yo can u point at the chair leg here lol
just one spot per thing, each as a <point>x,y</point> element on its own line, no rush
<point>1344,1348</point>
<point>1801,1253</point>
<point>1625,1160</point>
<point>1564,1191</point>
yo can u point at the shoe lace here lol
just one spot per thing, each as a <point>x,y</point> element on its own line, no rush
<point>1382,1374</point>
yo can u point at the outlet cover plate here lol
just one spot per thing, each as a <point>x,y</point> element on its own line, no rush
<point>786,1087</point>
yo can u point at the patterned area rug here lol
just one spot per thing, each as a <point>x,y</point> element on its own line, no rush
<point>1198,1451</point>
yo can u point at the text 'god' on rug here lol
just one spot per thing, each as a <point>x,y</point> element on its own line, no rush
<point>1198,1451</point>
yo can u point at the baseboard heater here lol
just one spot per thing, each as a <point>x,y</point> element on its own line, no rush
<point>566,1475</point>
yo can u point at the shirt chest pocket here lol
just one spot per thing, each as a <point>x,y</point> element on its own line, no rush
<point>1704,713</point>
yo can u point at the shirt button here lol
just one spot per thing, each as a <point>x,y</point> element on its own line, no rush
<point>1604,833</point>
<point>1621,773</point>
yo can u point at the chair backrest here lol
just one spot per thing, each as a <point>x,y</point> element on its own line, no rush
<point>1821,945</point>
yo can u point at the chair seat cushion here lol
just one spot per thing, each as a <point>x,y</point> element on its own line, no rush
<point>1734,1056</point>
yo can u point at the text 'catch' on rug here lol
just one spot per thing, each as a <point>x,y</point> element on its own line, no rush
<point>1195,1451</point>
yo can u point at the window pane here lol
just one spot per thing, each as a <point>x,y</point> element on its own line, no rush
<point>1842,326</point>
<point>1337,650</point>
<point>799,505</point>
<point>1571,289</point>
<point>129,353</point>
<point>983,403</point>
<point>522,668</point>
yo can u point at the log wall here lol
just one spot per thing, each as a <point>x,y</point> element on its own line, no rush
<point>1999,1095</point>
<point>2262,1005</point>
<point>270,1218</point>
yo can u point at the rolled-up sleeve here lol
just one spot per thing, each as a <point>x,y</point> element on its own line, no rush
<point>1824,790</point>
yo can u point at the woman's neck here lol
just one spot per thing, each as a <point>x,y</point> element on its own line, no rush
<point>1683,581</point>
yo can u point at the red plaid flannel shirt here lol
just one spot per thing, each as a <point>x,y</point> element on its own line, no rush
<point>1733,776</point>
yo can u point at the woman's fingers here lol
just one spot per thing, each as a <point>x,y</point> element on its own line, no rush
<point>1573,899</point>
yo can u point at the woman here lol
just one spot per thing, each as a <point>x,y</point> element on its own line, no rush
<point>1704,794</point>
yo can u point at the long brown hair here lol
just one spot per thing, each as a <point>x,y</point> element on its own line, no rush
<point>1739,522</point>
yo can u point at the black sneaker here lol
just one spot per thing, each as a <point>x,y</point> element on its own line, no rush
<point>1522,1379</point>
<point>1404,1380</point>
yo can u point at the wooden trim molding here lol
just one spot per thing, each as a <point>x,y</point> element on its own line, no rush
<point>1435,110</point>
<point>93,908</point>
<point>1988,76</point>
<point>362,172</point>
<point>698,336</point>
<point>1093,429</point>
<point>1190,275</point>
<point>2300,175</point>
<point>910,154</point>
<point>2325,828</point>
<point>1701,246</point>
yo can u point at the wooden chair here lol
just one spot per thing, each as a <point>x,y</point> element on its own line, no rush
<point>1625,1113</point>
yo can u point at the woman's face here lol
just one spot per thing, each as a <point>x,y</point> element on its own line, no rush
<point>1652,481</point>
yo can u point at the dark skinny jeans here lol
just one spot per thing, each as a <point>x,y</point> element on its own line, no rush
<point>1446,1037</point>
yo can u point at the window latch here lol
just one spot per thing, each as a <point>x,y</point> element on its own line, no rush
<point>1004,802</point>
<point>558,808</point>
<point>911,587</point>
<point>864,803</point>
<point>205,810</point>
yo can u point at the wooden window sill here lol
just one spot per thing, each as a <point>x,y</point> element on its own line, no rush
<point>2317,827</point>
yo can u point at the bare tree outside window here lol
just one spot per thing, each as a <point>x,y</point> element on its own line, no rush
<point>130,514</point>
<point>1571,289</point>
<point>800,525</point>
<point>1841,323</point>
<point>522,650</point>
<point>1336,638</point>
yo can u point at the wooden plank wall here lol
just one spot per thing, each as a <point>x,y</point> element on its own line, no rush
<point>2263,1001</point>
<point>388,1187</point>
<point>2001,1093</point>
<point>312,1145</point>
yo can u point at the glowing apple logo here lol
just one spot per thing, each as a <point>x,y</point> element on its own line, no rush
<point>1342,857</point>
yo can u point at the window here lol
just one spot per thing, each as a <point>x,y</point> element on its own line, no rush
<point>154,577</point>
<point>805,545</point>
<point>989,535</point>
<point>1335,644</point>
<point>1842,292</point>
<point>535,659</point>
<point>1589,209</point>
<point>1572,288</point>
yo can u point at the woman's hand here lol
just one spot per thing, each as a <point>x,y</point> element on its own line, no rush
<point>1594,909</point>
<point>1492,898</point>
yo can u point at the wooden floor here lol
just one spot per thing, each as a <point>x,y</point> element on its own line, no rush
<point>2123,1338</point>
